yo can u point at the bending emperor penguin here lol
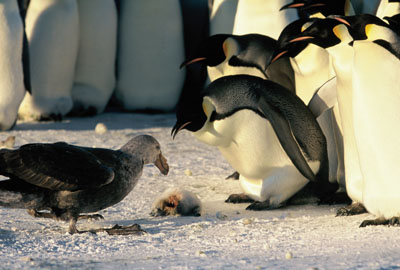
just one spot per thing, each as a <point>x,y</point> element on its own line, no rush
<point>266,133</point>
<point>52,28</point>
<point>12,88</point>
<point>95,65</point>
<point>312,67</point>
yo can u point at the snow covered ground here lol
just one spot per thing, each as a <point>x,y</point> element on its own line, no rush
<point>226,236</point>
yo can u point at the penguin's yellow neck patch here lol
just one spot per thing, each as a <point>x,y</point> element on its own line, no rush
<point>208,107</point>
<point>342,33</point>
<point>230,47</point>
<point>305,26</point>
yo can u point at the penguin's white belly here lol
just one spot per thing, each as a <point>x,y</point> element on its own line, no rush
<point>263,17</point>
<point>343,62</point>
<point>150,51</point>
<point>250,145</point>
<point>95,67</point>
<point>376,106</point>
<point>11,82</point>
<point>52,30</point>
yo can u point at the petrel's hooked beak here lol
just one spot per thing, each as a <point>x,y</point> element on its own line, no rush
<point>162,164</point>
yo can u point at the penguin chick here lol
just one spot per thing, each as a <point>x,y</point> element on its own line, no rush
<point>176,201</point>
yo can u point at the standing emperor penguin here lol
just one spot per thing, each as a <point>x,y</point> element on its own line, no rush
<point>52,28</point>
<point>95,65</point>
<point>12,88</point>
<point>376,107</point>
<point>252,16</point>
<point>266,133</point>
<point>388,8</point>
<point>150,50</point>
<point>334,36</point>
<point>312,67</point>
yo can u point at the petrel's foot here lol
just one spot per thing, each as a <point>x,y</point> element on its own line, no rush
<point>239,198</point>
<point>120,230</point>
<point>233,176</point>
<point>394,221</point>
<point>351,210</point>
<point>91,217</point>
<point>38,214</point>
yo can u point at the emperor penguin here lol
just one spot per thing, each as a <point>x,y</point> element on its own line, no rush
<point>321,8</point>
<point>94,79</point>
<point>12,88</point>
<point>333,35</point>
<point>52,28</point>
<point>266,133</point>
<point>226,54</point>
<point>312,67</point>
<point>254,16</point>
<point>150,50</point>
<point>376,117</point>
<point>388,8</point>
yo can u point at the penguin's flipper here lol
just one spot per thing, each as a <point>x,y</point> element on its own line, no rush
<point>286,138</point>
<point>324,98</point>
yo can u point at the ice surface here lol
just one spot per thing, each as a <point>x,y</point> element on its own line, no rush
<point>311,234</point>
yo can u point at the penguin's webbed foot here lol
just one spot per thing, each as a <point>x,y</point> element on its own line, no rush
<point>336,198</point>
<point>260,206</point>
<point>56,117</point>
<point>233,176</point>
<point>239,198</point>
<point>394,221</point>
<point>351,210</point>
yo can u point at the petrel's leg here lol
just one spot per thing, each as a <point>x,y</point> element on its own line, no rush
<point>94,217</point>
<point>72,226</point>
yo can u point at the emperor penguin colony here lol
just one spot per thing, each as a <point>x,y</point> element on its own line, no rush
<point>286,90</point>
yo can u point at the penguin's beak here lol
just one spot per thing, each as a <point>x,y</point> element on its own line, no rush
<point>301,39</point>
<point>341,20</point>
<point>178,127</point>
<point>191,61</point>
<point>279,55</point>
<point>162,165</point>
<point>292,5</point>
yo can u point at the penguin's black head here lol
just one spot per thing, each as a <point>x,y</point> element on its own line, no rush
<point>394,23</point>
<point>213,51</point>
<point>323,32</point>
<point>286,48</point>
<point>359,24</point>
<point>190,116</point>
<point>325,7</point>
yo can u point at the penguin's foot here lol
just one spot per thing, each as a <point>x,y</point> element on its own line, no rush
<point>239,198</point>
<point>259,206</point>
<point>91,217</point>
<point>51,117</point>
<point>351,210</point>
<point>119,230</point>
<point>233,176</point>
<point>336,198</point>
<point>80,111</point>
<point>394,221</point>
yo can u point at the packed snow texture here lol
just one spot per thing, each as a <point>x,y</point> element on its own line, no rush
<point>226,236</point>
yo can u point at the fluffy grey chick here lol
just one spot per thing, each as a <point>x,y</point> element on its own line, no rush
<point>176,201</point>
<point>67,180</point>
